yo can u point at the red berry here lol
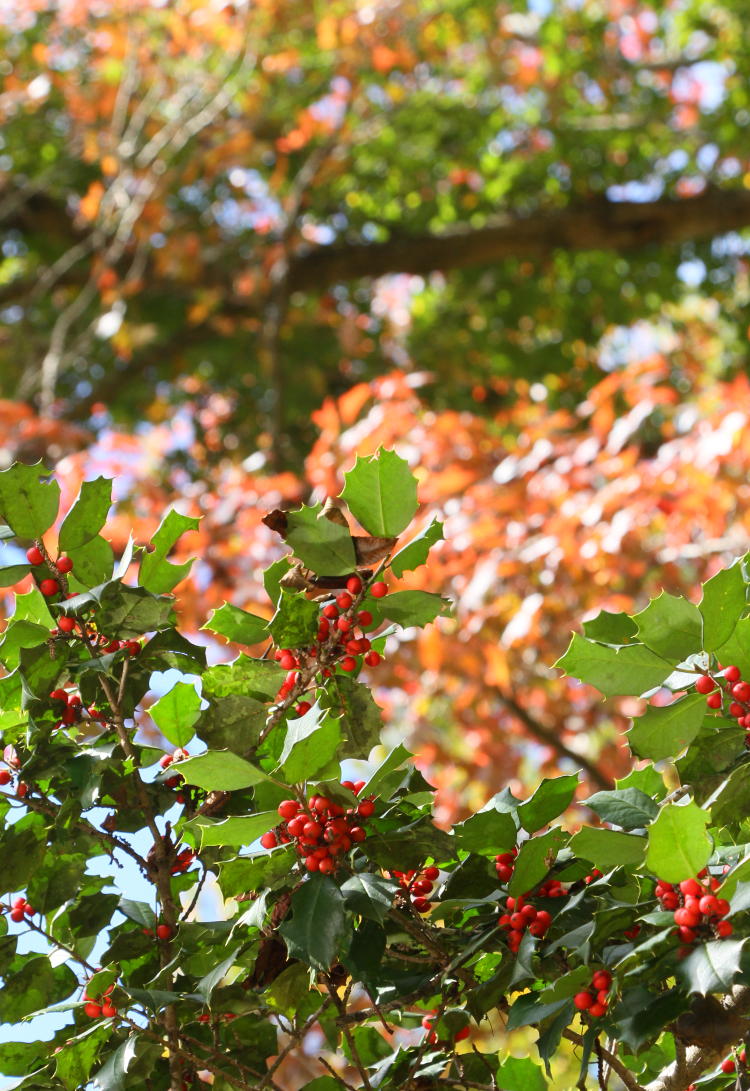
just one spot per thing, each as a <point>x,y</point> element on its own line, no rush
<point>364,617</point>
<point>49,588</point>
<point>330,611</point>
<point>583,1001</point>
<point>22,790</point>
<point>714,700</point>
<point>93,1011</point>
<point>602,979</point>
<point>326,865</point>
<point>163,931</point>
<point>344,600</point>
<point>108,1011</point>
<point>736,710</point>
<point>64,564</point>
<point>708,905</point>
<point>724,928</point>
<point>288,808</point>
<point>379,590</point>
<point>133,647</point>
<point>166,761</point>
<point>302,708</point>
<point>354,585</point>
<point>691,886</point>
<point>741,690</point>
<point>357,833</point>
<point>287,661</point>
<point>597,1010</point>
<point>268,840</point>
<point>343,624</point>
<point>366,808</point>
<point>34,555</point>
<point>5,777</point>
<point>728,1065</point>
<point>312,863</point>
<point>348,663</point>
<point>431,873</point>
<point>705,684</point>
<point>732,674</point>
<point>422,905</point>
<point>722,907</point>
<point>543,918</point>
<point>358,786</point>
<point>372,659</point>
<point>463,1033</point>
<point>16,915</point>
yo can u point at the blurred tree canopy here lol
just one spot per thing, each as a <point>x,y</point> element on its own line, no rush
<point>282,199</point>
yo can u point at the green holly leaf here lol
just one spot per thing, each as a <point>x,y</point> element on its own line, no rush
<point>20,634</point>
<point>322,545</point>
<point>232,723</point>
<point>678,845</point>
<point>23,1058</point>
<point>176,713</point>
<point>234,832</point>
<point>93,563</point>
<point>244,676</point>
<point>488,831</point>
<point>369,895</point>
<point>536,856</point>
<point>607,849</point>
<point>128,612</point>
<point>381,493</point>
<point>407,608</point>
<point>729,802</point>
<point>35,986</point>
<point>295,622</point>
<point>736,649</point>
<point>671,626</point>
<point>416,552</point>
<point>157,574</point>
<point>610,628</point>
<point>711,967</point>
<point>13,573</point>
<point>311,742</point>
<point>361,720</point>
<point>663,732</point>
<point>112,1075</point>
<point>318,925</point>
<point>724,598</point>
<point>630,670</point>
<point>237,625</point>
<point>29,501</point>
<point>213,979</point>
<point>626,807</point>
<point>87,516</point>
<point>140,912</point>
<point>520,1074</point>
<point>392,761</point>
<point>550,799</point>
<point>221,770</point>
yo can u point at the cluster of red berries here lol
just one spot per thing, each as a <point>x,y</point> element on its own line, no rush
<point>432,1037</point>
<point>520,915</point>
<point>696,908</point>
<point>11,759</point>
<point>595,999</point>
<point>180,754</point>
<point>206,1017</point>
<point>70,626</point>
<point>341,629</point>
<point>100,1007</point>
<point>321,830</point>
<point>504,864</point>
<point>70,709</point>
<point>728,1065</point>
<point>733,689</point>
<point>20,910</point>
<point>418,884</point>
<point>47,585</point>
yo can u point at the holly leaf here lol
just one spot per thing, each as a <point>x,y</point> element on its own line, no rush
<point>361,720</point>
<point>129,612</point>
<point>295,622</point>
<point>157,574</point>
<point>318,922</point>
<point>176,712</point>
<point>311,742</point>
<point>321,544</point>
<point>671,626</point>
<point>13,573</point>
<point>111,1076</point>
<point>369,895</point>
<point>234,832</point>
<point>520,1074</point>
<point>607,849</point>
<point>87,516</point>
<point>536,856</point>
<point>663,732</point>
<point>678,845</point>
<point>626,807</point>
<point>237,625</point>
<point>550,799</point>
<point>381,493</point>
<point>626,671</point>
<point>610,628</point>
<point>711,967</point>
<point>29,500</point>
<point>724,597</point>
<point>416,552</point>
<point>489,830</point>
<point>407,608</point>
<point>221,770</point>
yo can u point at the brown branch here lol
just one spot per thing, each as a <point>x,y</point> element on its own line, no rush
<point>614,1062</point>
<point>551,737</point>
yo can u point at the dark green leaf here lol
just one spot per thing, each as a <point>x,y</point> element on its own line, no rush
<point>87,516</point>
<point>295,622</point>
<point>317,927</point>
<point>361,721</point>
<point>489,831</point>
<point>608,849</point>
<point>381,493</point>
<point>535,858</point>
<point>311,742</point>
<point>22,1058</point>
<point>221,770</point>
<point>76,1059</point>
<point>13,573</point>
<point>111,1076</point>
<point>232,723</point>
<point>140,912</point>
<point>20,634</point>
<point>128,612</point>
<point>244,676</point>
<point>369,895</point>
<point>233,832</point>
<point>28,500</point>
<point>626,807</point>
<point>211,980</point>
<point>407,608</point>
<point>35,986</point>
<point>520,1074</point>
<point>711,967</point>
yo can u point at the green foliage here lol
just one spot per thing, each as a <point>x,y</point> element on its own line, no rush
<point>381,494</point>
<point>330,886</point>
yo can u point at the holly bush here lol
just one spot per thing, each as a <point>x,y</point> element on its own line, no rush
<point>352,927</point>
